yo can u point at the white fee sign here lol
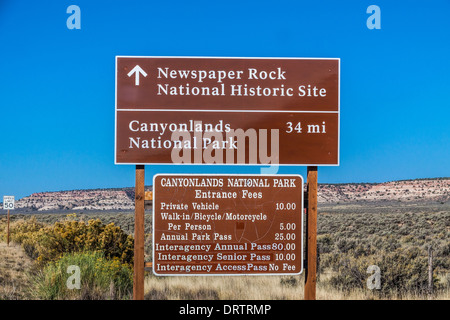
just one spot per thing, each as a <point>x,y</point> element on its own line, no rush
<point>8,202</point>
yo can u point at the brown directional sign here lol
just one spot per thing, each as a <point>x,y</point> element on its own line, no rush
<point>227,224</point>
<point>195,110</point>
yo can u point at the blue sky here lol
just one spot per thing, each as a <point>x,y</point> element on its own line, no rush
<point>57,85</point>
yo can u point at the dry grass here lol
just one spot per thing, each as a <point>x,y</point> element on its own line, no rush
<point>255,288</point>
<point>15,268</point>
<point>224,287</point>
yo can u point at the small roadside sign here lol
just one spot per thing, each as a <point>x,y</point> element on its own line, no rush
<point>8,202</point>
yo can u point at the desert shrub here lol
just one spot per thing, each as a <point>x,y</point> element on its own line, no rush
<point>344,245</point>
<point>22,229</point>
<point>325,243</point>
<point>444,250</point>
<point>402,271</point>
<point>100,278</point>
<point>363,249</point>
<point>350,273</point>
<point>51,242</point>
<point>289,281</point>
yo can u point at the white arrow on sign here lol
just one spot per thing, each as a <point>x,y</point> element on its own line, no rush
<point>137,70</point>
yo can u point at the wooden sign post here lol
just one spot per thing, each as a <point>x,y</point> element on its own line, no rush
<point>7,231</point>
<point>311,235</point>
<point>139,234</point>
<point>8,204</point>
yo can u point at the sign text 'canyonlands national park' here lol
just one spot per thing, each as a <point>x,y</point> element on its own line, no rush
<point>192,110</point>
<point>227,224</point>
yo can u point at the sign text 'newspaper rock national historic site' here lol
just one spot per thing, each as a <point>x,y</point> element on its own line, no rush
<point>227,224</point>
<point>194,110</point>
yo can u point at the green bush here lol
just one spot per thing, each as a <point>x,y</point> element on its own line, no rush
<point>100,278</point>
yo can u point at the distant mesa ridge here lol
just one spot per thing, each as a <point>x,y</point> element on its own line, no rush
<point>89,199</point>
<point>419,190</point>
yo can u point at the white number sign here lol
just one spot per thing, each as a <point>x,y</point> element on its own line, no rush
<point>8,202</point>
